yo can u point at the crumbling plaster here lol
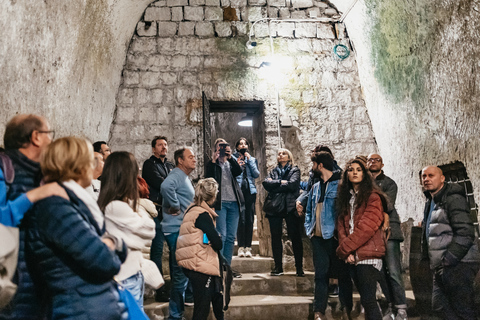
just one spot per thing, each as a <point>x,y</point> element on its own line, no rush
<point>63,59</point>
<point>418,66</point>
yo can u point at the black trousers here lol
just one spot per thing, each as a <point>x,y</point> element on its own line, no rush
<point>294,230</point>
<point>366,277</point>
<point>205,290</point>
<point>245,227</point>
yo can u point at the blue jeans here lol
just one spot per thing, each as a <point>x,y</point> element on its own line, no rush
<point>394,274</point>
<point>227,224</point>
<point>156,251</point>
<point>176,306</point>
<point>136,285</point>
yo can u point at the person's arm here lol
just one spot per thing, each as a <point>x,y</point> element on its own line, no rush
<point>235,167</point>
<point>253,165</point>
<point>271,183</point>
<point>204,222</point>
<point>71,235</point>
<point>169,194</point>
<point>152,175</point>
<point>463,229</point>
<point>308,212</point>
<point>293,182</point>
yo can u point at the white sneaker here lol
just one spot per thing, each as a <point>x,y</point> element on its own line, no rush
<point>241,252</point>
<point>248,252</point>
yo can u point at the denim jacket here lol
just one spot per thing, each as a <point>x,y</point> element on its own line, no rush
<point>252,173</point>
<point>328,214</point>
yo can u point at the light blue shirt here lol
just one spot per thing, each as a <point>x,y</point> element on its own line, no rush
<point>12,212</point>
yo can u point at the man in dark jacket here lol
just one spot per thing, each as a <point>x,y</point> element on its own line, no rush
<point>393,254</point>
<point>26,137</point>
<point>154,171</point>
<point>449,238</point>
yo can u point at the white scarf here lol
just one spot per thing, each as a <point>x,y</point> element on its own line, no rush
<point>91,204</point>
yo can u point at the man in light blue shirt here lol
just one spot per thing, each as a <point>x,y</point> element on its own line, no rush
<point>177,192</point>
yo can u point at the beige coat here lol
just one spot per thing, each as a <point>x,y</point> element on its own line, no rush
<point>192,253</point>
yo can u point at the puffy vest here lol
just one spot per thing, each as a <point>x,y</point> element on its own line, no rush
<point>191,252</point>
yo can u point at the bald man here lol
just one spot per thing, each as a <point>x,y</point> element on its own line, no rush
<point>450,243</point>
<point>393,254</point>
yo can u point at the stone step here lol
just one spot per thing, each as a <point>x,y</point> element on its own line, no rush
<point>256,264</point>
<point>255,248</point>
<point>263,283</point>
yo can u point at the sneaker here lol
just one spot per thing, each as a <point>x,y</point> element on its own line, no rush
<point>333,291</point>
<point>188,304</point>
<point>236,274</point>
<point>319,316</point>
<point>241,252</point>
<point>300,274</point>
<point>388,315</point>
<point>401,314</point>
<point>248,252</point>
<point>276,272</point>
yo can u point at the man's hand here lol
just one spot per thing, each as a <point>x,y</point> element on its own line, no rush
<point>45,191</point>
<point>299,208</point>
<point>350,259</point>
<point>174,211</point>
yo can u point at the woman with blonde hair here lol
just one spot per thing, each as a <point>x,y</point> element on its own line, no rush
<point>197,251</point>
<point>65,248</point>
<point>283,184</point>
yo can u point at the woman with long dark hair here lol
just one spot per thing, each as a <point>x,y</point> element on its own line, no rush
<point>246,181</point>
<point>283,184</point>
<point>361,238</point>
<point>118,200</point>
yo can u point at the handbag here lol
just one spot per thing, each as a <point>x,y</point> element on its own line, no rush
<point>275,204</point>
<point>153,277</point>
<point>133,309</point>
<point>9,239</point>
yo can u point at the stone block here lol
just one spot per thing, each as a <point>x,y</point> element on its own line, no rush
<point>325,31</point>
<point>177,3</point>
<point>187,45</point>
<point>146,29</point>
<point>225,3</point>
<point>158,14</point>
<point>165,45</point>
<point>320,4</point>
<point>195,62</point>
<point>131,78</point>
<point>238,3</point>
<point>189,78</point>
<point>314,12</point>
<point>284,13</point>
<point>155,96</point>
<point>136,61</point>
<point>197,2</point>
<point>186,28</point>
<point>205,77</point>
<point>212,3</point>
<point>150,79</point>
<point>157,62</point>
<point>147,114</point>
<point>168,78</point>
<point>126,114</point>
<point>299,14</point>
<point>144,45</point>
<point>179,62</point>
<point>213,14</point>
<point>160,3</point>
<point>261,30</point>
<point>163,114</point>
<point>141,96</point>
<point>305,30</point>
<point>240,27</point>
<point>168,97</point>
<point>272,12</point>
<point>302,4</point>
<point>330,12</point>
<point>177,13</point>
<point>277,3</point>
<point>194,13</point>
<point>204,29</point>
<point>257,2</point>
<point>167,29</point>
<point>253,13</point>
<point>286,29</point>
<point>340,30</point>
<point>223,29</point>
<point>125,96</point>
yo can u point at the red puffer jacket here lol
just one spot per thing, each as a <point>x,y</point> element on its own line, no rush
<point>368,239</point>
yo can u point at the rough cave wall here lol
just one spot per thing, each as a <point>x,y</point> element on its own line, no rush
<point>63,60</point>
<point>419,64</point>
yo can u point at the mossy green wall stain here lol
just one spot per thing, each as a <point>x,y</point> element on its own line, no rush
<point>401,37</point>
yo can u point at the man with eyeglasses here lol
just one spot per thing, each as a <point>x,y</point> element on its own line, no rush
<point>393,254</point>
<point>102,148</point>
<point>26,137</point>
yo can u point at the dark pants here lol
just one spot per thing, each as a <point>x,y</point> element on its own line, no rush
<point>453,293</point>
<point>294,230</point>
<point>393,274</point>
<point>156,251</point>
<point>366,277</point>
<point>204,292</point>
<point>326,266</point>
<point>245,227</point>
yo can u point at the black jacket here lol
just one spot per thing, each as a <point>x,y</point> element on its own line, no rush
<point>291,188</point>
<point>215,171</point>
<point>452,233</point>
<point>154,172</point>
<point>389,187</point>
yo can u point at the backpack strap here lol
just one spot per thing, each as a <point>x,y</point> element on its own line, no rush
<point>6,166</point>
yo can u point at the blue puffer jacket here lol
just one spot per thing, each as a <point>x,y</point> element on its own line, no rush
<point>328,213</point>
<point>65,250</point>
<point>251,166</point>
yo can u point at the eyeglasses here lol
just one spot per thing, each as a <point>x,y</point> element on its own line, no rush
<point>50,132</point>
<point>374,160</point>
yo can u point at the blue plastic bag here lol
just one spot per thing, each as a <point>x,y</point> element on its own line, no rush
<point>133,309</point>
